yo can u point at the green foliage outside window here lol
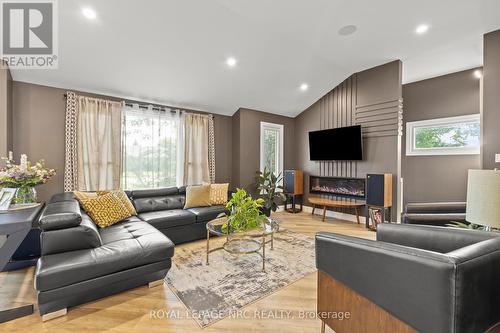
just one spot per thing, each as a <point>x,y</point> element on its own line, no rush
<point>459,135</point>
<point>149,151</point>
<point>270,148</point>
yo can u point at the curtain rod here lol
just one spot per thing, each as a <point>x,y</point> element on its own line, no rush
<point>155,107</point>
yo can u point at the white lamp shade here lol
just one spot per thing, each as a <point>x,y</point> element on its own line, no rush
<point>483,198</point>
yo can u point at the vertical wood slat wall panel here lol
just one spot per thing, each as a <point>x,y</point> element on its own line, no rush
<point>338,109</point>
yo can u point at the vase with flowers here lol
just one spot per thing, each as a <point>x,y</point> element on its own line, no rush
<point>24,177</point>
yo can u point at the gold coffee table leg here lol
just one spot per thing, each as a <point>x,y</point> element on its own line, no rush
<point>264,253</point>
<point>208,244</point>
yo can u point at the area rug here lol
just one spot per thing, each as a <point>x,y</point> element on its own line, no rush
<point>230,282</point>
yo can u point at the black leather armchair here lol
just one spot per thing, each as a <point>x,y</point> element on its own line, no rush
<point>433,279</point>
<point>434,213</point>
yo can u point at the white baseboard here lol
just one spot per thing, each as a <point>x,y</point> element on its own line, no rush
<point>329,213</point>
<point>281,208</point>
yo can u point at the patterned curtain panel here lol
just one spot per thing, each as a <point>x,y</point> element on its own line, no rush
<point>211,148</point>
<point>70,156</point>
<point>98,144</point>
<point>196,149</point>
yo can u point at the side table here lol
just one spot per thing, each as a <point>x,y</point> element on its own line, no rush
<point>14,226</point>
<point>295,198</point>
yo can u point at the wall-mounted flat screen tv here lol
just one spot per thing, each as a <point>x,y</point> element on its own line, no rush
<point>336,144</point>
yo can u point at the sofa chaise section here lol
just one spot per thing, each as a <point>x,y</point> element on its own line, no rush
<point>81,262</point>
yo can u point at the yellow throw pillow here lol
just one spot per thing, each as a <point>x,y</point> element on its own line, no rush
<point>197,196</point>
<point>123,197</point>
<point>218,193</point>
<point>105,210</point>
<point>81,196</point>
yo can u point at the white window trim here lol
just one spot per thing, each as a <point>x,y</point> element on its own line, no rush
<point>280,128</point>
<point>410,137</point>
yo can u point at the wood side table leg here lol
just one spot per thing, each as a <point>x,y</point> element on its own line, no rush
<point>357,213</point>
<point>367,218</point>
<point>314,207</point>
<point>324,213</point>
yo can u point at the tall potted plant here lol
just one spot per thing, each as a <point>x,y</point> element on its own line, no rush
<point>267,184</point>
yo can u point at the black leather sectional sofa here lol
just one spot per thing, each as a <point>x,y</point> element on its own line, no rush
<point>435,213</point>
<point>81,262</point>
<point>163,209</point>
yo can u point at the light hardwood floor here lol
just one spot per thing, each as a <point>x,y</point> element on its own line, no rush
<point>130,311</point>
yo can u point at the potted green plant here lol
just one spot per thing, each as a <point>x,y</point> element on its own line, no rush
<point>245,213</point>
<point>267,184</point>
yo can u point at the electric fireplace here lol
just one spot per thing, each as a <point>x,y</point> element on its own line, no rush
<point>339,186</point>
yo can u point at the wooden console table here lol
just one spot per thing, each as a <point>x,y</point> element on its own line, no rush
<point>324,202</point>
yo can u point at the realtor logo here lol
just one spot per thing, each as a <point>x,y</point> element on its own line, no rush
<point>29,38</point>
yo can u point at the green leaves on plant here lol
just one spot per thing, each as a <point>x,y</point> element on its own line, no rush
<point>267,185</point>
<point>245,213</point>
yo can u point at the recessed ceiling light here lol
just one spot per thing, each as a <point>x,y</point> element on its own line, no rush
<point>304,86</point>
<point>347,30</point>
<point>89,13</point>
<point>231,62</point>
<point>422,29</point>
<point>478,74</point>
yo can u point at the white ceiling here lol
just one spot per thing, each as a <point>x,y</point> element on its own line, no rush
<point>173,52</point>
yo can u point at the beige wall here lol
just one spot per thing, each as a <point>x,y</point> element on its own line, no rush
<point>246,138</point>
<point>5,111</point>
<point>439,178</point>
<point>38,131</point>
<point>491,99</point>
<point>368,91</point>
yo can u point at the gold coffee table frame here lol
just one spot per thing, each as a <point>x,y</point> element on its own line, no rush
<point>245,242</point>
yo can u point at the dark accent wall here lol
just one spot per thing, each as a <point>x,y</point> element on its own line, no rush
<point>236,150</point>
<point>491,100</point>
<point>439,178</point>
<point>371,98</point>
<point>5,111</point>
<point>246,144</point>
<point>38,131</point>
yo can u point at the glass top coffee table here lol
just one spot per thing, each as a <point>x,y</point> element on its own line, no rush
<point>243,242</point>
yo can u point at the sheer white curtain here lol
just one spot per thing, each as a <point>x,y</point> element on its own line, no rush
<point>152,148</point>
<point>99,143</point>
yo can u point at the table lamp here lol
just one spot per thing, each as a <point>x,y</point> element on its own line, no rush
<point>483,198</point>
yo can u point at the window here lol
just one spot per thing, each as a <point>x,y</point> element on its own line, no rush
<point>444,136</point>
<point>150,148</point>
<point>271,147</point>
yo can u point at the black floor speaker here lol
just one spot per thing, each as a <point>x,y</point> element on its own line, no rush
<point>293,182</point>
<point>379,190</point>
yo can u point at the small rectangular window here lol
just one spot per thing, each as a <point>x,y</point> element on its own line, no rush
<point>271,147</point>
<point>444,136</point>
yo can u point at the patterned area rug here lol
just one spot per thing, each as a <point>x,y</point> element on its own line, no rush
<point>230,282</point>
